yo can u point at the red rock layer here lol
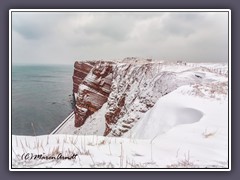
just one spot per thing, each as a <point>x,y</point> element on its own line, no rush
<point>91,83</point>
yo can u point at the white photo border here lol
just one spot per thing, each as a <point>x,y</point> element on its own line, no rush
<point>119,10</point>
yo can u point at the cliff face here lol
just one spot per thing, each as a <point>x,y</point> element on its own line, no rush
<point>129,89</point>
<point>136,87</point>
<point>91,86</point>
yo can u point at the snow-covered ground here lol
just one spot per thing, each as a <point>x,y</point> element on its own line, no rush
<point>180,131</point>
<point>94,125</point>
<point>186,128</point>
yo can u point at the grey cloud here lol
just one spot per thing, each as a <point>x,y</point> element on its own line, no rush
<point>26,27</point>
<point>106,28</point>
<point>174,25</point>
<point>35,25</point>
<point>181,24</point>
<point>112,26</point>
<point>64,37</point>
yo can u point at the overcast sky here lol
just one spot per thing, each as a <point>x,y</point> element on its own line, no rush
<point>63,37</point>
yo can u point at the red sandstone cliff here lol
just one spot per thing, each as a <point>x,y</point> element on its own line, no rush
<point>91,86</point>
<point>129,89</point>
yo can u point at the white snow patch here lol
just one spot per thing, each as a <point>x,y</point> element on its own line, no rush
<point>95,124</point>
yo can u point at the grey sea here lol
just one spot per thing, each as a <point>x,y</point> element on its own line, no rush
<point>41,98</point>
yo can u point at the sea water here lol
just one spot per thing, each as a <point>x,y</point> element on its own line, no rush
<point>41,98</point>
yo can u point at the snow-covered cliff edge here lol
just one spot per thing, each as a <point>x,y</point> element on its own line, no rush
<point>133,87</point>
<point>138,114</point>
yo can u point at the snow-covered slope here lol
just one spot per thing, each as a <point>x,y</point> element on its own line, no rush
<point>136,88</point>
<point>180,131</point>
<point>168,115</point>
<point>177,110</point>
